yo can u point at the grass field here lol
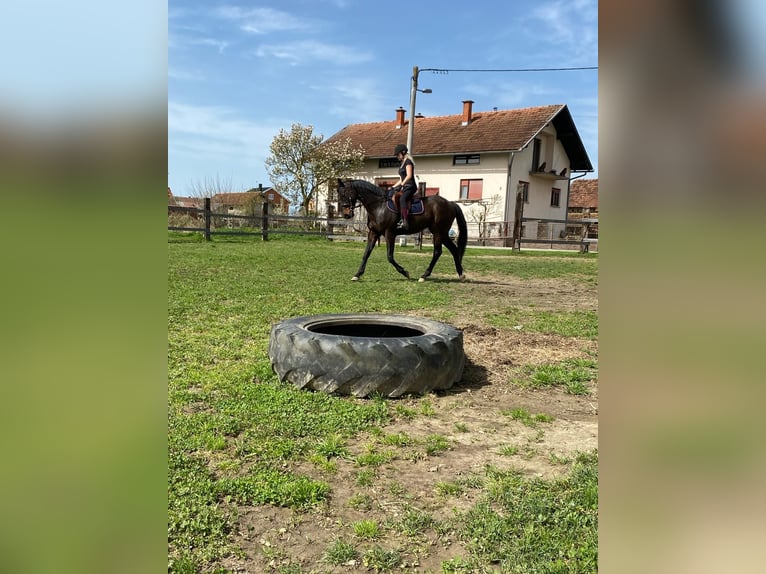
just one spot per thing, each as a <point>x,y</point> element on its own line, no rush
<point>266,478</point>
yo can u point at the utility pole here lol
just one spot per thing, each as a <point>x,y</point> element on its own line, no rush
<point>413,92</point>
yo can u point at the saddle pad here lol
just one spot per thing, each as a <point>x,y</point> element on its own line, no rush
<point>416,204</point>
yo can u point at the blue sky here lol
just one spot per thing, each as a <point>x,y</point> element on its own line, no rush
<point>239,71</point>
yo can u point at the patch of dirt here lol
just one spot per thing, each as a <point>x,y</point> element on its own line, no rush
<point>473,417</point>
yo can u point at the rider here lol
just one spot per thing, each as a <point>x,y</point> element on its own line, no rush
<point>406,183</point>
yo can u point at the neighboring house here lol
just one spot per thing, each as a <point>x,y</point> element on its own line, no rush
<point>196,202</point>
<point>171,199</point>
<point>583,205</point>
<point>244,203</point>
<point>248,202</point>
<point>484,157</point>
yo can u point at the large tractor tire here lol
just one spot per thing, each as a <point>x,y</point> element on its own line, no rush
<point>367,354</point>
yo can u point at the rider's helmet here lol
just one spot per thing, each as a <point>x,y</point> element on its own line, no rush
<point>401,148</point>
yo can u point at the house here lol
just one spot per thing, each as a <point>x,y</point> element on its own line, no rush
<point>249,202</point>
<point>484,160</point>
<point>583,205</point>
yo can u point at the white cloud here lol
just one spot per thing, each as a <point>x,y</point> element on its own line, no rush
<point>309,50</point>
<point>263,20</point>
<point>220,44</point>
<point>570,25</point>
<point>205,131</point>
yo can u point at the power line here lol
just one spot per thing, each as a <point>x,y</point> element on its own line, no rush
<point>446,70</point>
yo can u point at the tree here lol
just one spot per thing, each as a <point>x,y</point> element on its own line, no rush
<point>300,163</point>
<point>210,186</point>
<point>480,212</point>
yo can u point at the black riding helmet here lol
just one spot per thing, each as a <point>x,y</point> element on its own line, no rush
<point>401,148</point>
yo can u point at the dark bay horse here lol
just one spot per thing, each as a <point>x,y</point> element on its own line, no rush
<point>437,217</point>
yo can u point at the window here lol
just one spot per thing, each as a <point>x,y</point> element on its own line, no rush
<point>524,186</point>
<point>536,154</point>
<point>555,196</point>
<point>388,162</point>
<point>472,159</point>
<point>471,188</point>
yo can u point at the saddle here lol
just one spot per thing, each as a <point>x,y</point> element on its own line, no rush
<point>416,202</point>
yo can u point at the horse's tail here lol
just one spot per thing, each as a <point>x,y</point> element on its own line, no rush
<point>462,238</point>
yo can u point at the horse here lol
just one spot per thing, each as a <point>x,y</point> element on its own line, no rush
<point>438,216</point>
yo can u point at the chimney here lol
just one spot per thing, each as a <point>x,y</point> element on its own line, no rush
<point>400,118</point>
<point>467,112</point>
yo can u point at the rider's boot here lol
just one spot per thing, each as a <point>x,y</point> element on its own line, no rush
<point>403,224</point>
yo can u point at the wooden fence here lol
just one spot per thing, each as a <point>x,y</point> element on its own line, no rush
<point>533,232</point>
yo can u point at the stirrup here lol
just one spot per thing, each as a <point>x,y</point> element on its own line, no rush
<point>403,224</point>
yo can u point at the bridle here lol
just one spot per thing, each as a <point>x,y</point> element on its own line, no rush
<point>347,206</point>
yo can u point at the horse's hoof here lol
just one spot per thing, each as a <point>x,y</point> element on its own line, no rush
<point>422,280</point>
<point>462,276</point>
<point>355,278</point>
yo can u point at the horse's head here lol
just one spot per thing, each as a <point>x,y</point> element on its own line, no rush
<point>347,198</point>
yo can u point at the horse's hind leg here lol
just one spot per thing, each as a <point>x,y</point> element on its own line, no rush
<point>455,255</point>
<point>435,258</point>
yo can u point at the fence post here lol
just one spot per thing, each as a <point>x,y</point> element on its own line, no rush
<point>207,219</point>
<point>330,217</point>
<point>517,215</point>
<point>265,222</point>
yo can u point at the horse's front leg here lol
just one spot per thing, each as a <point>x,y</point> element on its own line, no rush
<point>372,237</point>
<point>390,239</point>
<point>434,259</point>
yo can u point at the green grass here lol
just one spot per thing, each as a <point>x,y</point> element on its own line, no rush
<point>565,323</point>
<point>340,552</point>
<point>524,416</point>
<point>236,435</point>
<point>575,375</point>
<point>537,526</point>
<point>366,529</point>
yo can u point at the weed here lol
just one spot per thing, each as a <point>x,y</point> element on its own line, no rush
<point>397,439</point>
<point>405,412</point>
<point>340,553</point>
<point>461,427</point>
<point>397,489</point>
<point>381,560</point>
<point>366,529</point>
<point>332,446</point>
<point>435,444</point>
<point>448,488</point>
<point>365,477</point>
<point>426,408</point>
<point>360,502</point>
<point>460,566</point>
<point>327,466</point>
<point>525,417</point>
<point>374,458</point>
<point>414,522</point>
<point>509,450</point>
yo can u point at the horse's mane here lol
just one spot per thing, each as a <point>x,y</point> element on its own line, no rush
<point>366,185</point>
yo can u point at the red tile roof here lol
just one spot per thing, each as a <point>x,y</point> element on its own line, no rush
<point>502,130</point>
<point>583,193</point>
